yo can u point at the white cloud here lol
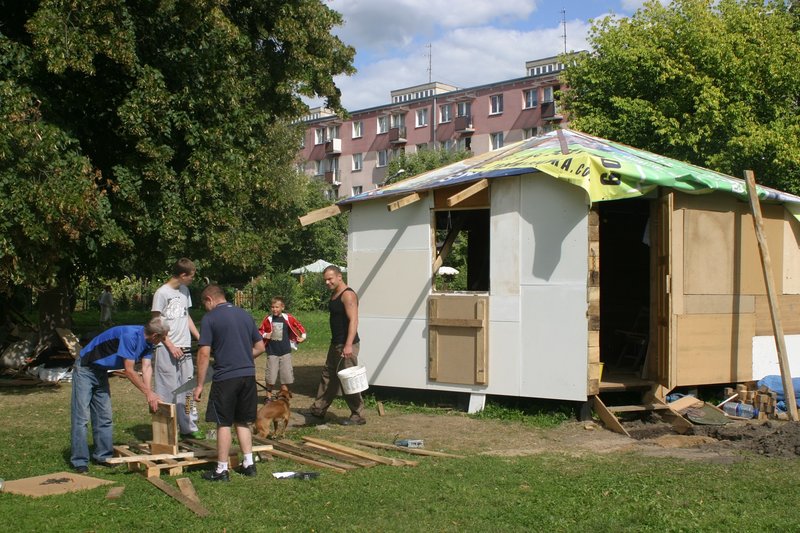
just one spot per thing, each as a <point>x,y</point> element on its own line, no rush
<point>381,24</point>
<point>463,57</point>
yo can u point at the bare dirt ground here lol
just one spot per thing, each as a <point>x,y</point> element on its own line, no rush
<point>456,432</point>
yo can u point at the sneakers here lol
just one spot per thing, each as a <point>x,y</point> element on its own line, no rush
<point>213,475</point>
<point>197,435</point>
<point>354,420</point>
<point>80,469</point>
<point>249,471</point>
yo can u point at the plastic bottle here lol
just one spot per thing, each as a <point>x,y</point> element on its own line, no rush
<point>742,410</point>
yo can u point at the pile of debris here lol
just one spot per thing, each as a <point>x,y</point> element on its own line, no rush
<point>27,360</point>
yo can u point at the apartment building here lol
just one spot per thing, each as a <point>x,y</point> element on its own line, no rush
<point>351,154</point>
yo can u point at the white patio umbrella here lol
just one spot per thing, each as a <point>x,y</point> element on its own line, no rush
<point>447,271</point>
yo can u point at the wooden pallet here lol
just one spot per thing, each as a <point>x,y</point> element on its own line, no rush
<point>139,458</point>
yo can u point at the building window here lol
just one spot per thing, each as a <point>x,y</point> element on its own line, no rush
<point>422,117</point>
<point>547,94</point>
<point>398,120</point>
<point>357,189</point>
<point>447,145</point>
<point>445,112</point>
<point>358,161</point>
<point>497,140</point>
<point>422,147</point>
<point>358,128</point>
<point>527,133</point>
<point>319,168</point>
<point>497,104</point>
<point>397,152</point>
<point>383,124</point>
<point>319,135</point>
<point>469,231</point>
<point>383,158</point>
<point>464,109</point>
<point>530,98</point>
<point>303,140</point>
<point>333,132</point>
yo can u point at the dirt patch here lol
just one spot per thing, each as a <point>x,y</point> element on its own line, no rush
<point>454,431</point>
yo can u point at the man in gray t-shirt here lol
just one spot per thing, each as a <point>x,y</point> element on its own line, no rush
<point>173,365</point>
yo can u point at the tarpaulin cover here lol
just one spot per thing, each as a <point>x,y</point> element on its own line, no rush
<point>606,170</point>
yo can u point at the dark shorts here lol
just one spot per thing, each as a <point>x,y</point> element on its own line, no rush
<point>233,401</point>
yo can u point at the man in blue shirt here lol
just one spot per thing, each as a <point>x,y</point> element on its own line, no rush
<point>230,333</point>
<point>118,348</point>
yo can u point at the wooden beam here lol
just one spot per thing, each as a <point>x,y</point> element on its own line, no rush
<point>322,214</point>
<point>406,200</point>
<point>472,190</point>
<point>358,453</point>
<point>448,244</point>
<point>772,297</point>
<point>165,487</point>
<point>412,451</point>
<point>187,489</point>
<point>457,322</point>
<point>608,417</point>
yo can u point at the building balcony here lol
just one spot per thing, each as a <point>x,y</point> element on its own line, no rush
<point>333,177</point>
<point>333,147</point>
<point>550,111</point>
<point>463,124</point>
<point>397,135</point>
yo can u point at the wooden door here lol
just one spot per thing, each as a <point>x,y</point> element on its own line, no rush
<point>457,340</point>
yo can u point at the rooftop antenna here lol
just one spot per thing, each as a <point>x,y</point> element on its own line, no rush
<point>430,58</point>
<point>564,26</point>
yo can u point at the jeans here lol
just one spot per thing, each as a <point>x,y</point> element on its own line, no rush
<point>91,399</point>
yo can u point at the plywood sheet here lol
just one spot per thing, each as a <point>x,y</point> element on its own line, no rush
<point>457,342</point>
<point>51,484</point>
<point>373,228</point>
<point>708,243</point>
<point>715,304</point>
<point>504,227</point>
<point>790,314</point>
<point>791,254</point>
<point>752,274</point>
<point>765,356</point>
<point>714,348</point>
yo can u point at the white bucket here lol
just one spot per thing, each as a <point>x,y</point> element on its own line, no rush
<point>353,379</point>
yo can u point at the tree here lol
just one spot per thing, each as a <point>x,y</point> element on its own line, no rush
<point>714,83</point>
<point>133,133</point>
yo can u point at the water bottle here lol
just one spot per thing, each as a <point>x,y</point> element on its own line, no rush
<point>742,410</point>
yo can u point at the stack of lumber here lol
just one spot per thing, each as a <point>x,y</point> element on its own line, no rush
<point>762,398</point>
<point>340,458</point>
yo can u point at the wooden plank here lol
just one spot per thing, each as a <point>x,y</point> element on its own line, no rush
<point>187,489</point>
<point>406,200</point>
<point>309,454</point>
<point>194,506</point>
<point>70,341</point>
<point>775,311</point>
<point>364,463</point>
<point>404,449</point>
<point>322,214</point>
<point>358,453</point>
<point>447,245</point>
<point>304,460</point>
<point>381,412</point>
<point>470,191</point>
<point>433,341</point>
<point>165,429</point>
<point>636,408</point>
<point>456,322</point>
<point>115,493</point>
<point>608,417</point>
<point>481,348</point>
<point>683,403</point>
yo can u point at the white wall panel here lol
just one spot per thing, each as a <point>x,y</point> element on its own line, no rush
<point>373,227</point>
<point>391,283</point>
<point>394,351</point>
<point>504,236</point>
<point>554,231</point>
<point>554,340</point>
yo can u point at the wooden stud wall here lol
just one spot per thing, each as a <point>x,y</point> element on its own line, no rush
<point>593,300</point>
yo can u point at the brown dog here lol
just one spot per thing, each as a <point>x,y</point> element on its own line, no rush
<point>272,413</point>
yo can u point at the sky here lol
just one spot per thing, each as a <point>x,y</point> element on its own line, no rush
<point>472,42</point>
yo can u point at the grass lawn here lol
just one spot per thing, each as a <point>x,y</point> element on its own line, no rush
<point>552,492</point>
<point>545,492</point>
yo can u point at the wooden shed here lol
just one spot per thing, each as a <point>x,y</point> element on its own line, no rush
<point>580,251</point>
